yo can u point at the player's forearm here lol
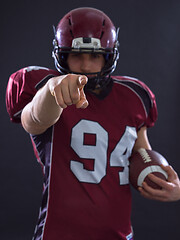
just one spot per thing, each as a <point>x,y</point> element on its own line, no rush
<point>142,140</point>
<point>41,113</point>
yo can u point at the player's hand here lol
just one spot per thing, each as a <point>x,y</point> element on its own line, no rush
<point>68,90</point>
<point>170,189</point>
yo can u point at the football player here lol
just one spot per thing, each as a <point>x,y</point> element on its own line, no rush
<point>84,124</point>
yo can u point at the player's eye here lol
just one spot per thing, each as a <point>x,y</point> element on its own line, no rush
<point>96,55</point>
<point>75,54</point>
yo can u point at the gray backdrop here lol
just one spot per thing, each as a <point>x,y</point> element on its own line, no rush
<point>149,50</point>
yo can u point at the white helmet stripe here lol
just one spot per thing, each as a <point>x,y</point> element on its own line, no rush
<point>82,42</point>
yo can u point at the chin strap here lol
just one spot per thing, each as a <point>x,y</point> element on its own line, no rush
<point>99,82</point>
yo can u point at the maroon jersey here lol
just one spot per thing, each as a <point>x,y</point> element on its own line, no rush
<point>86,192</point>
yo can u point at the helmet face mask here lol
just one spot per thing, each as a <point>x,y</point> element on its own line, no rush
<point>86,30</point>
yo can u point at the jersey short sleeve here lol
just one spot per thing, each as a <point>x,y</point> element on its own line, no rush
<point>22,87</point>
<point>145,95</point>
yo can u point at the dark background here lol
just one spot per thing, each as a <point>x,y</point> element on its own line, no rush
<point>149,50</point>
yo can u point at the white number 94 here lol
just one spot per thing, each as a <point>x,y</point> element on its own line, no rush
<point>98,152</point>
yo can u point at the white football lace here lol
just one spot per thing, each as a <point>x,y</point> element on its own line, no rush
<point>144,154</point>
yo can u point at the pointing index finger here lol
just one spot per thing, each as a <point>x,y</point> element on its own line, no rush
<point>82,80</point>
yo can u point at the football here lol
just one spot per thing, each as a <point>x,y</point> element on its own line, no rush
<point>144,162</point>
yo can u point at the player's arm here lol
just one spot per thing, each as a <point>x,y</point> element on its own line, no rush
<point>48,103</point>
<point>170,189</point>
<point>142,140</point>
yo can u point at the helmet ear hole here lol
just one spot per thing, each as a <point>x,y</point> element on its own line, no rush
<point>63,60</point>
<point>63,56</point>
<point>109,64</point>
<point>106,57</point>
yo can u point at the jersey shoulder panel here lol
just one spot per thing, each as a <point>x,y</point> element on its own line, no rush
<point>22,86</point>
<point>143,93</point>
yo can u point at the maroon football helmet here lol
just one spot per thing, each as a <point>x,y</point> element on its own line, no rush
<point>86,30</point>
